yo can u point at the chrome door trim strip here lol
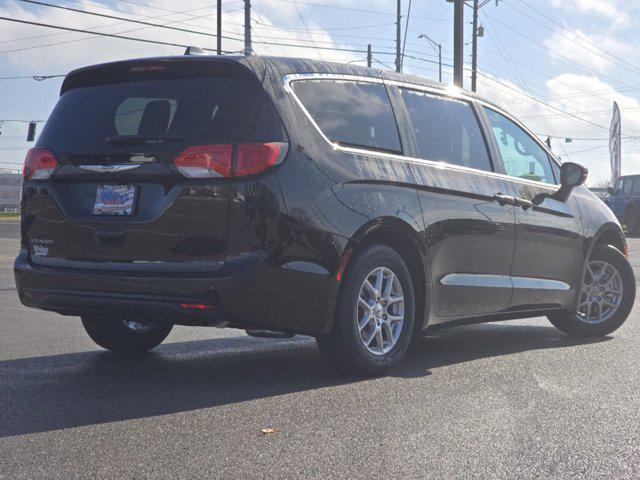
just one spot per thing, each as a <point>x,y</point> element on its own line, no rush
<point>110,168</point>
<point>539,284</point>
<point>502,281</point>
<point>452,92</point>
<point>476,280</point>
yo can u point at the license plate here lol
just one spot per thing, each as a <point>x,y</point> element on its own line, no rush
<point>114,200</point>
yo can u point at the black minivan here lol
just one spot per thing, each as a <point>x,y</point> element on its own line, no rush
<point>291,196</point>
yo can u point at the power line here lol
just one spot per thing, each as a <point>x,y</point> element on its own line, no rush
<point>506,85</point>
<point>21,121</point>
<point>92,32</point>
<point>272,43</point>
<point>586,113</point>
<point>500,44</point>
<point>37,78</point>
<point>146,17</point>
<point>535,42</point>
<point>304,24</point>
<point>578,92</point>
<point>361,10</point>
<point>269,35</point>
<point>328,28</point>
<point>130,20</point>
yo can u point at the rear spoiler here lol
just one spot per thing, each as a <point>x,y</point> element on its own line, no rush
<point>157,69</point>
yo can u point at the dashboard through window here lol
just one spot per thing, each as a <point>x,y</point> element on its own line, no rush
<point>351,113</point>
<point>446,130</point>
<point>522,156</point>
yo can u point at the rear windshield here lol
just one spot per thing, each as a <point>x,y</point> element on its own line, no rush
<point>159,115</point>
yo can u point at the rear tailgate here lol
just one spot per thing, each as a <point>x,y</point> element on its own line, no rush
<point>117,196</point>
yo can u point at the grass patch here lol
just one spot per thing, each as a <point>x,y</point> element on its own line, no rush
<point>9,216</point>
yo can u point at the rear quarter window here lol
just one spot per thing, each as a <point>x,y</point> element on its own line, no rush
<point>351,113</point>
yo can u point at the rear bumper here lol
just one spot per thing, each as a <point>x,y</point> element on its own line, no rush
<point>248,293</point>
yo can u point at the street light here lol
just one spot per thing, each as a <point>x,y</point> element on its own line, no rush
<point>438,48</point>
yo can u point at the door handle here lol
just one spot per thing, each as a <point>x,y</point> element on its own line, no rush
<point>524,203</point>
<point>505,199</point>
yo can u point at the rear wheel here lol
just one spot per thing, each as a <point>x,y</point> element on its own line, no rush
<point>606,298</point>
<point>122,335</point>
<point>374,315</point>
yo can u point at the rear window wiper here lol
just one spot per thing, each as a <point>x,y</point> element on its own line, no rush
<point>124,140</point>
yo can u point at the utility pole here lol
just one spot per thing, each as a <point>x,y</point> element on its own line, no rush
<point>398,37</point>
<point>247,28</point>
<point>458,43</point>
<point>474,47</point>
<point>369,56</point>
<point>219,25</point>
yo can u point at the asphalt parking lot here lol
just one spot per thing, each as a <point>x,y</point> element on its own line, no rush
<point>510,400</point>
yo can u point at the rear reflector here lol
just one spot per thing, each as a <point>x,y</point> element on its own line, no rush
<point>196,306</point>
<point>39,164</point>
<point>204,161</point>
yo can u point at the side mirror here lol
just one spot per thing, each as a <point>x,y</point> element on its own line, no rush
<point>610,190</point>
<point>572,175</point>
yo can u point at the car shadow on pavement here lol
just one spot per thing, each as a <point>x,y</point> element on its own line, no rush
<point>62,391</point>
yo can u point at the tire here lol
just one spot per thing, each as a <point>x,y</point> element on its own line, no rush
<point>578,324</point>
<point>345,347</point>
<point>118,335</point>
<point>633,222</point>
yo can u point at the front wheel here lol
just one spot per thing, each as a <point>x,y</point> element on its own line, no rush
<point>374,315</point>
<point>123,335</point>
<point>607,294</point>
<point>633,222</point>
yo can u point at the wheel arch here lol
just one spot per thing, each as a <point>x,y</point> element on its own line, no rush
<point>403,238</point>
<point>608,234</point>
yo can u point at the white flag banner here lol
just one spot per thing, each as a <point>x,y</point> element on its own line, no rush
<point>615,147</point>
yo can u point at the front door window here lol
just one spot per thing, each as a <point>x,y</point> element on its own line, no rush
<point>522,156</point>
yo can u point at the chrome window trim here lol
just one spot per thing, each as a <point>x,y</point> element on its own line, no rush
<point>502,281</point>
<point>452,92</point>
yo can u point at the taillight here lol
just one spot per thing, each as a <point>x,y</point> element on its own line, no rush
<point>218,160</point>
<point>205,161</point>
<point>256,157</point>
<point>39,164</point>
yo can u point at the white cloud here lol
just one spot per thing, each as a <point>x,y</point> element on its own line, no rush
<point>587,50</point>
<point>606,9</point>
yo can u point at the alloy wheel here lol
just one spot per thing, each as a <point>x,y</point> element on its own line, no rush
<point>380,311</point>
<point>601,293</point>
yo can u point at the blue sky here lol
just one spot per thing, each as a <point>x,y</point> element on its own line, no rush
<point>576,56</point>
